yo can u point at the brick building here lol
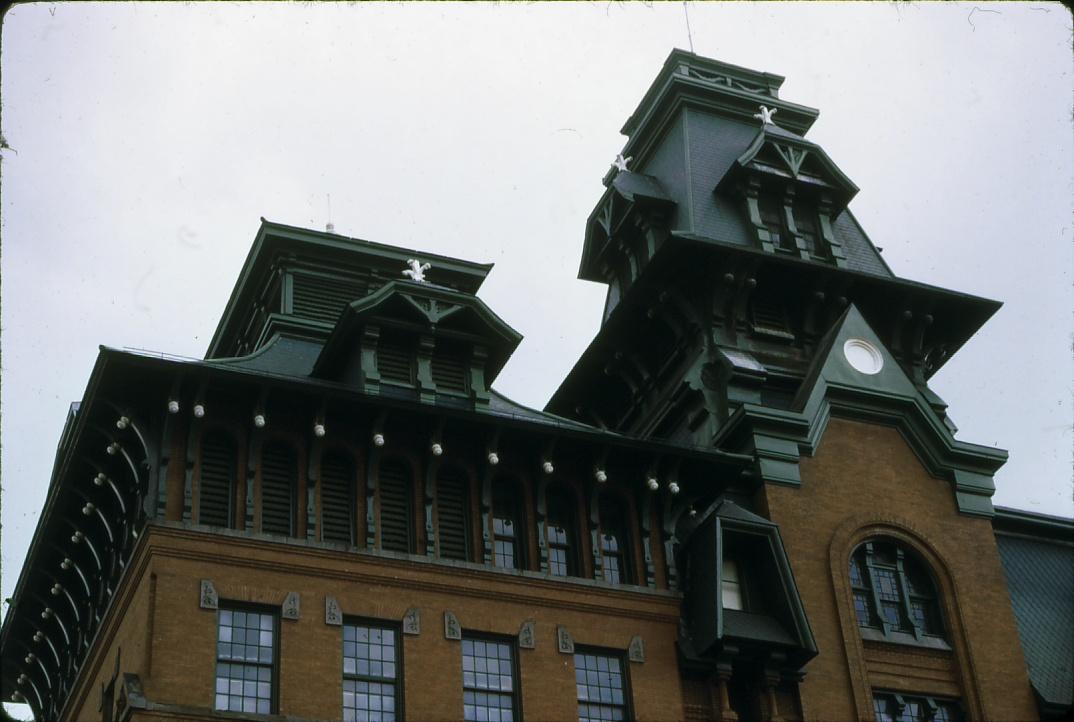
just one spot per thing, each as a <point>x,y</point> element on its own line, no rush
<point>743,503</point>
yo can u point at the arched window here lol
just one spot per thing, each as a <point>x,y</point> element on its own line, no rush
<point>453,513</point>
<point>216,485</point>
<point>562,537</point>
<point>614,539</point>
<point>279,484</point>
<point>893,591</point>
<point>395,507</point>
<point>337,497</point>
<point>509,539</point>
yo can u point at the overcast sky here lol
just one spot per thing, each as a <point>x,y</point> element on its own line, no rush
<point>148,139</point>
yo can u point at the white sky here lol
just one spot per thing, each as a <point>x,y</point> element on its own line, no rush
<point>150,138</point>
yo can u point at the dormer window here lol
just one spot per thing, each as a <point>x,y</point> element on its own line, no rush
<point>732,594</point>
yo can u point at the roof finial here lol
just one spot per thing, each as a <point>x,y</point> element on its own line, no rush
<point>620,162</point>
<point>417,270</point>
<point>766,115</point>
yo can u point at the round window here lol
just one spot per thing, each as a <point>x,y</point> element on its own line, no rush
<point>863,356</point>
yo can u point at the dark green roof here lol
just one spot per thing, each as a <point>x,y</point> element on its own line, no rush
<point>1038,556</point>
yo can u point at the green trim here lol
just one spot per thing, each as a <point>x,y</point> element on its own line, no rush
<point>304,242</point>
<point>776,437</point>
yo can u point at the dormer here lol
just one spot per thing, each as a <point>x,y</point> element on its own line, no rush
<point>790,192</point>
<point>296,282</point>
<point>416,340</point>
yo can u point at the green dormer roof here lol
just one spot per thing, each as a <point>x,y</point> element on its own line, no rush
<point>300,279</point>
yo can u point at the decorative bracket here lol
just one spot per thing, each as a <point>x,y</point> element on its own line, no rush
<point>527,635</point>
<point>333,615</point>
<point>452,628</point>
<point>412,621</point>
<point>564,641</point>
<point>291,606</point>
<point>209,598</point>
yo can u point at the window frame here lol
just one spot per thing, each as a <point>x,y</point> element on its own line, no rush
<point>383,624</point>
<point>520,539</point>
<point>274,683</point>
<point>929,703</point>
<point>864,556</point>
<point>624,668</point>
<point>572,562</point>
<point>624,554</point>
<point>516,669</point>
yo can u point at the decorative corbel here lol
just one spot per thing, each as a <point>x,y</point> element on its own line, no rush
<point>424,377</point>
<point>432,467</point>
<point>313,469</point>
<point>376,443</point>
<point>370,374</point>
<point>167,429</point>
<point>831,241</point>
<point>492,457</point>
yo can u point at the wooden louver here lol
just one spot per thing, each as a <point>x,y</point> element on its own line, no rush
<point>217,479</point>
<point>337,506</point>
<point>323,299</point>
<point>278,487</point>
<point>453,513</point>
<point>394,483</point>
<point>394,362</point>
<point>449,373</point>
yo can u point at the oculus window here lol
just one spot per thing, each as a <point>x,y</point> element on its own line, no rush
<point>371,673</point>
<point>245,661</point>
<point>489,681</point>
<point>601,681</point>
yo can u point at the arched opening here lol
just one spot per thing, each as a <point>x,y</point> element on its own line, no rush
<point>394,489</point>
<point>562,534</point>
<point>279,484</point>
<point>508,525</point>
<point>216,482</point>
<point>453,513</point>
<point>337,497</point>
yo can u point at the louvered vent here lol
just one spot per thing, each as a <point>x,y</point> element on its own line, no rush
<point>394,481</point>
<point>452,513</point>
<point>394,362</point>
<point>449,373</point>
<point>323,299</point>
<point>768,314</point>
<point>278,482</point>
<point>217,480</point>
<point>337,477</point>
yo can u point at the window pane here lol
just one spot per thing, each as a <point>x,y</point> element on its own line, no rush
<point>369,673</point>
<point>600,687</point>
<point>488,680</point>
<point>244,666</point>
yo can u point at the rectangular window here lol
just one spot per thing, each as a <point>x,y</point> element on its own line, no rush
<point>489,687</point>
<point>602,687</point>
<point>246,661</point>
<point>731,586</point>
<point>371,673</point>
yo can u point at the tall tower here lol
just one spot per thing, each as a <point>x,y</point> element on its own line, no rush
<point>731,259</point>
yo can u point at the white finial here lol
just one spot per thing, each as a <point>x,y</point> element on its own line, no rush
<point>652,483</point>
<point>437,449</point>
<point>673,488</point>
<point>318,430</point>
<point>620,162</point>
<point>601,476</point>
<point>417,270</point>
<point>546,467</point>
<point>494,458</point>
<point>765,115</point>
<point>378,439</point>
<point>173,407</point>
